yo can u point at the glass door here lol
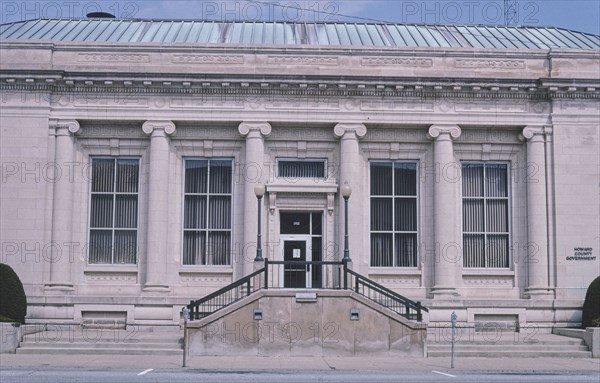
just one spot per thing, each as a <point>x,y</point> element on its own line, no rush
<point>295,249</point>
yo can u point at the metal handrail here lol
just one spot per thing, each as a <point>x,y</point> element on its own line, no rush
<point>371,285</point>
<point>229,294</point>
<point>194,306</point>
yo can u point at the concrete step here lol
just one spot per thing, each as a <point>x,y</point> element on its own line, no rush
<point>50,338</point>
<point>482,348</point>
<point>507,339</point>
<point>510,345</point>
<point>98,351</point>
<point>92,345</point>
<point>76,340</point>
<point>513,354</point>
<point>569,343</point>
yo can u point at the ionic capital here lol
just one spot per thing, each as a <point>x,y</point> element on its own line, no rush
<point>342,128</point>
<point>535,133</point>
<point>167,126</point>
<point>72,126</point>
<point>258,127</point>
<point>437,130</point>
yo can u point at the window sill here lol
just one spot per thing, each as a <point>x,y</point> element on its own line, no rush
<point>206,270</point>
<point>497,272</point>
<point>393,271</point>
<point>111,269</point>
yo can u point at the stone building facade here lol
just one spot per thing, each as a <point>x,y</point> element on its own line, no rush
<point>130,154</point>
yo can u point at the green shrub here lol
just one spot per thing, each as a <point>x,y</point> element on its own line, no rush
<point>13,302</point>
<point>591,305</point>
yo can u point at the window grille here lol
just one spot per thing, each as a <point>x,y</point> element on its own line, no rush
<point>394,214</point>
<point>207,216</point>
<point>113,211</point>
<point>485,205</point>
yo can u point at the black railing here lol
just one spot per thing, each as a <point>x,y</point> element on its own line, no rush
<point>306,275</point>
<point>303,274</point>
<point>382,295</point>
<point>226,296</point>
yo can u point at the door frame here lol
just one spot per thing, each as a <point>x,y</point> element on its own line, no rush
<point>308,251</point>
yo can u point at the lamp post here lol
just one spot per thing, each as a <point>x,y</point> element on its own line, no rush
<point>346,190</point>
<point>259,191</point>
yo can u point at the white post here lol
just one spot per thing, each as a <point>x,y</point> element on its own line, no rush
<point>537,219</point>
<point>446,227</point>
<point>253,171</point>
<point>350,171</point>
<point>60,257</point>
<point>158,202</point>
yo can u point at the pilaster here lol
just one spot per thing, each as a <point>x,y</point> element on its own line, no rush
<point>254,172</point>
<point>158,202</point>
<point>537,213</point>
<point>446,227</point>
<point>62,205</point>
<point>351,170</point>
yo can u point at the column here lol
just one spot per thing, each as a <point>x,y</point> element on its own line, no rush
<point>158,202</point>
<point>60,257</point>
<point>253,171</point>
<point>351,172</point>
<point>537,222</point>
<point>446,212</point>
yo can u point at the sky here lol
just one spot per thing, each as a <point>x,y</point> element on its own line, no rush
<point>580,15</point>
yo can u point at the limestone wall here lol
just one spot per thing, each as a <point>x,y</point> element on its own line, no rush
<point>321,327</point>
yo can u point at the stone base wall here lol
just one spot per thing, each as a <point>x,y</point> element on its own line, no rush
<point>320,326</point>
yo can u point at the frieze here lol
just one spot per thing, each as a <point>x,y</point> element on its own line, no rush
<point>120,101</point>
<point>405,281</point>
<point>113,58</point>
<point>490,64</point>
<point>579,105</point>
<point>212,133</point>
<point>397,61</point>
<point>494,106</point>
<point>205,279</point>
<point>488,281</point>
<point>489,135</point>
<point>378,105</point>
<point>111,131</point>
<point>395,134</point>
<point>111,277</point>
<point>311,104</point>
<point>209,102</point>
<point>303,60</point>
<point>207,59</point>
<point>298,133</point>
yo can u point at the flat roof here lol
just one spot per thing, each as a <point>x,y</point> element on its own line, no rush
<point>102,30</point>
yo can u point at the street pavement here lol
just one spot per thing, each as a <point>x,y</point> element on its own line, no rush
<point>219,363</point>
<point>153,368</point>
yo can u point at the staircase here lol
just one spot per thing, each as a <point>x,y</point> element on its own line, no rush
<point>509,344</point>
<point>78,340</point>
<point>338,277</point>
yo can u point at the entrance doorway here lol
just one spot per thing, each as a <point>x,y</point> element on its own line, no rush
<point>301,240</point>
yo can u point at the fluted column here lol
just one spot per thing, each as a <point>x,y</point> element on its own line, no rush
<point>158,200</point>
<point>253,171</point>
<point>60,260</point>
<point>446,226</point>
<point>537,221</point>
<point>351,172</point>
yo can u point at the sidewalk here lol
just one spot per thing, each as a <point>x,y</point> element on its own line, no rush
<point>303,363</point>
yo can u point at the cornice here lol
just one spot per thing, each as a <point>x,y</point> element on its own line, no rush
<point>140,47</point>
<point>434,88</point>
